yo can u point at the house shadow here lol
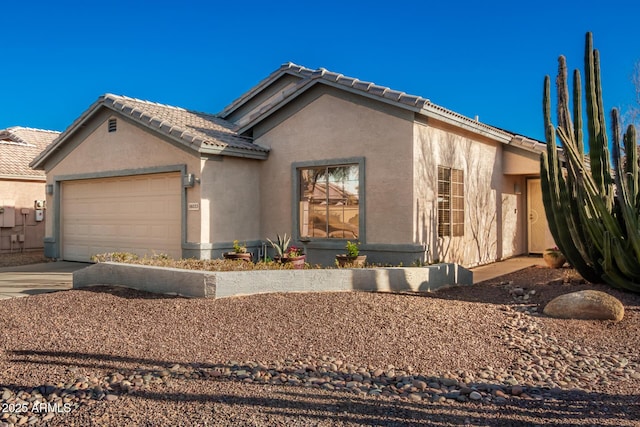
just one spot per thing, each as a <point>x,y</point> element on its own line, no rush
<point>554,407</point>
<point>415,281</point>
<point>127,293</point>
<point>503,290</point>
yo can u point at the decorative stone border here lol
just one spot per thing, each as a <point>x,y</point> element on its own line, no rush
<point>216,284</point>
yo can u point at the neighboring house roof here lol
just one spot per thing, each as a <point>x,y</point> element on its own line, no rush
<point>18,147</point>
<point>202,132</point>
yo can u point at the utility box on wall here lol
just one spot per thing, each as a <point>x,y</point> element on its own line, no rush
<point>7,214</point>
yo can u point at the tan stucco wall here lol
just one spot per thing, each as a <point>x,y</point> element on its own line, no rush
<point>230,204</point>
<point>333,126</point>
<point>517,161</point>
<point>23,194</point>
<point>493,212</point>
<point>129,148</point>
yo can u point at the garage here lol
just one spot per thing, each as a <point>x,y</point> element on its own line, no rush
<point>139,214</point>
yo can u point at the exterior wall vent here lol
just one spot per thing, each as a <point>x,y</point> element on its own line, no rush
<point>113,125</point>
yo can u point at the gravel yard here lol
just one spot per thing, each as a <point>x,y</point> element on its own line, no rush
<point>460,356</point>
<point>22,258</point>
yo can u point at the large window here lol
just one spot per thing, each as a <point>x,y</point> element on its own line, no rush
<point>329,201</point>
<point>450,202</point>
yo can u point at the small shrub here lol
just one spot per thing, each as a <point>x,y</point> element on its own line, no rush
<point>353,249</point>
<point>125,257</point>
<point>238,248</point>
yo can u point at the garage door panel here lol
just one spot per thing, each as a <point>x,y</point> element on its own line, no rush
<point>139,214</point>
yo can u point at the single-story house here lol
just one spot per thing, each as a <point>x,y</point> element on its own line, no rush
<point>311,153</point>
<point>22,189</point>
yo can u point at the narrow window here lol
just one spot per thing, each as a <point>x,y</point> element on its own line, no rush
<point>113,125</point>
<point>450,202</point>
<point>329,201</point>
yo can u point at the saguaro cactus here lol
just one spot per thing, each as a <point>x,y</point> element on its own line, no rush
<point>593,212</point>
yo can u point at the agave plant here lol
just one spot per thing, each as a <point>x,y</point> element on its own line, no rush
<point>281,245</point>
<point>592,210</point>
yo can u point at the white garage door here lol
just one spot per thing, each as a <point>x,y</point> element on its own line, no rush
<point>139,214</point>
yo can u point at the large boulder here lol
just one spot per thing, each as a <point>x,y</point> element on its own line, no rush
<point>588,305</point>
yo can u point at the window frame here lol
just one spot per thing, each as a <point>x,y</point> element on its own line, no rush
<point>295,196</point>
<point>455,228</point>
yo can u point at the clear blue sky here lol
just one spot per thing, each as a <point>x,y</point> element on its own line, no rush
<point>485,58</point>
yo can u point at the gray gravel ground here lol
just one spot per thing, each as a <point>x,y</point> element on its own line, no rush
<point>22,258</point>
<point>474,356</point>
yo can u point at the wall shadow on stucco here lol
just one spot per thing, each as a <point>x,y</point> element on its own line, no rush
<point>482,242</point>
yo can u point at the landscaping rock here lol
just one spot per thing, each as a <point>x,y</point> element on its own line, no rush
<point>587,305</point>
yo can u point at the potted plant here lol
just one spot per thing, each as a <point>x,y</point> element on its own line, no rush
<point>239,252</point>
<point>286,254</point>
<point>352,258</point>
<point>553,257</point>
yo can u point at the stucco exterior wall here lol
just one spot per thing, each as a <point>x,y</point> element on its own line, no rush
<point>493,227</point>
<point>23,194</point>
<point>335,125</point>
<point>96,151</point>
<point>230,206</point>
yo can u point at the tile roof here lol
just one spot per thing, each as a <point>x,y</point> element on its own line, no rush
<point>194,127</point>
<point>203,132</point>
<point>385,94</point>
<point>18,147</point>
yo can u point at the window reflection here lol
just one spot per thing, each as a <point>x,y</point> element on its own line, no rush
<point>329,202</point>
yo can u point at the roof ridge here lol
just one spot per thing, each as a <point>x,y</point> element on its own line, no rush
<point>114,97</point>
<point>391,94</point>
<point>30,128</point>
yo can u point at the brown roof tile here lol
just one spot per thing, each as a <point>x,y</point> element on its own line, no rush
<point>203,132</point>
<point>401,99</point>
<point>194,127</point>
<point>18,147</point>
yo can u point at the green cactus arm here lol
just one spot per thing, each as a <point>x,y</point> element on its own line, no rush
<point>612,275</point>
<point>595,122</point>
<point>577,113</point>
<point>626,183</point>
<point>561,230</point>
<point>626,261</point>
<point>591,196</point>
<point>564,116</point>
<point>631,165</point>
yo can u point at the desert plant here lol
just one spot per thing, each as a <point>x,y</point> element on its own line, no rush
<point>353,249</point>
<point>593,215</point>
<point>281,245</point>
<point>238,248</point>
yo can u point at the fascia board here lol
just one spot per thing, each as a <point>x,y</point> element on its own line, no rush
<point>464,124</point>
<point>23,178</point>
<point>528,144</point>
<point>234,152</point>
<point>308,85</point>
<point>426,111</point>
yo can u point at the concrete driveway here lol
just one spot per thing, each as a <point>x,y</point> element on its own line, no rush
<point>34,279</point>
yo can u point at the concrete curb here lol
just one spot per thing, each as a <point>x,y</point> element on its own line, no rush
<point>213,284</point>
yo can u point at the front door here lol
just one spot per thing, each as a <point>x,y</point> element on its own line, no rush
<point>538,229</point>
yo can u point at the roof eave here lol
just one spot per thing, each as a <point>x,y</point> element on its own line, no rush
<point>467,124</point>
<point>528,144</point>
<point>303,88</point>
<point>23,177</point>
<point>175,134</point>
<point>234,152</point>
